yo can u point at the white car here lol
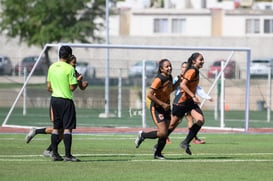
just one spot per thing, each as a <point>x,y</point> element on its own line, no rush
<point>136,69</point>
<point>86,70</point>
<point>260,67</point>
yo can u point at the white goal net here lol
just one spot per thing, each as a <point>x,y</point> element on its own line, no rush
<point>127,95</point>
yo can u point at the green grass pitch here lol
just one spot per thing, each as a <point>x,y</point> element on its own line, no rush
<point>113,157</point>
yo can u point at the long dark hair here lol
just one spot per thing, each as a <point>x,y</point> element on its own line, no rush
<point>72,57</point>
<point>191,59</point>
<point>160,64</point>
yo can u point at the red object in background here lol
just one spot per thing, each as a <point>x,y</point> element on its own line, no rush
<point>230,70</point>
<point>236,4</point>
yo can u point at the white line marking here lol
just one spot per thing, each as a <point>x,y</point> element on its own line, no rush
<point>181,157</point>
<point>205,160</point>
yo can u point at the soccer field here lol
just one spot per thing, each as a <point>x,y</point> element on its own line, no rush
<point>113,156</point>
<point>39,117</point>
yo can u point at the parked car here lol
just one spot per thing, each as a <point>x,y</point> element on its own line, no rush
<point>5,66</point>
<point>136,69</point>
<point>86,70</point>
<point>29,62</point>
<point>229,72</point>
<point>260,67</point>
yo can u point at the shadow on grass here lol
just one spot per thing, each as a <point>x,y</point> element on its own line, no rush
<point>125,158</point>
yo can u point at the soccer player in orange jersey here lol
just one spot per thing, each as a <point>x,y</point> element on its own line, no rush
<point>187,102</point>
<point>159,94</point>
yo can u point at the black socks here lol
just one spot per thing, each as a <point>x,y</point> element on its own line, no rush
<point>50,146</point>
<point>40,131</point>
<point>150,135</point>
<point>192,133</point>
<point>54,143</point>
<point>160,145</point>
<point>67,144</point>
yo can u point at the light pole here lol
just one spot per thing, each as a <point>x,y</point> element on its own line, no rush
<point>106,94</point>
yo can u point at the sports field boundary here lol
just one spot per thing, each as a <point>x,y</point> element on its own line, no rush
<point>40,158</point>
<point>86,130</point>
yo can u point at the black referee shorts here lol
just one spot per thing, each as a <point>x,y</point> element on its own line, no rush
<point>64,113</point>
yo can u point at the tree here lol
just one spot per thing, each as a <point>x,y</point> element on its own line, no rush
<point>38,22</point>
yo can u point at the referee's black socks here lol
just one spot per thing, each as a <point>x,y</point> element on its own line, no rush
<point>67,143</point>
<point>54,143</point>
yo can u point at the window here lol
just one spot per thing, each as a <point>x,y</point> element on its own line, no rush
<point>161,25</point>
<point>171,25</point>
<point>178,25</point>
<point>252,26</point>
<point>268,26</point>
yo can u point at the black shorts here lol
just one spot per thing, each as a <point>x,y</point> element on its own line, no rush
<point>180,110</point>
<point>64,113</point>
<point>159,114</point>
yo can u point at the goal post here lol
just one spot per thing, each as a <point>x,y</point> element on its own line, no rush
<point>245,50</point>
<point>4,124</point>
<point>218,76</point>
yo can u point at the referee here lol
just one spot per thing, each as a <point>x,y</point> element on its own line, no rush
<point>62,82</point>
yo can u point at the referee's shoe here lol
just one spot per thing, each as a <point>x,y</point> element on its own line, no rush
<point>71,159</point>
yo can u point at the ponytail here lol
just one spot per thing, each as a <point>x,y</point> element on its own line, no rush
<point>193,57</point>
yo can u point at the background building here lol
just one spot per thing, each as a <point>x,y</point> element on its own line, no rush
<point>194,23</point>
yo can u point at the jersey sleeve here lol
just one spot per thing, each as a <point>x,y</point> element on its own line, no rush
<point>72,77</point>
<point>156,83</point>
<point>189,74</point>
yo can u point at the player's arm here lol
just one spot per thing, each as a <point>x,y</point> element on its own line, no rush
<point>79,77</point>
<point>49,88</point>
<point>152,97</point>
<point>177,82</point>
<point>188,91</point>
<point>151,92</point>
<point>73,87</point>
<point>82,84</point>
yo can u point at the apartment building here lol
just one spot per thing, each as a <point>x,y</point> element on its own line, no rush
<point>202,18</point>
<point>194,23</point>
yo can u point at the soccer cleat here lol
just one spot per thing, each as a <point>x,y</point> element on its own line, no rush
<point>159,157</point>
<point>139,139</point>
<point>186,147</point>
<point>30,135</point>
<point>71,159</point>
<point>57,158</point>
<point>156,155</point>
<point>47,153</point>
<point>198,141</point>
